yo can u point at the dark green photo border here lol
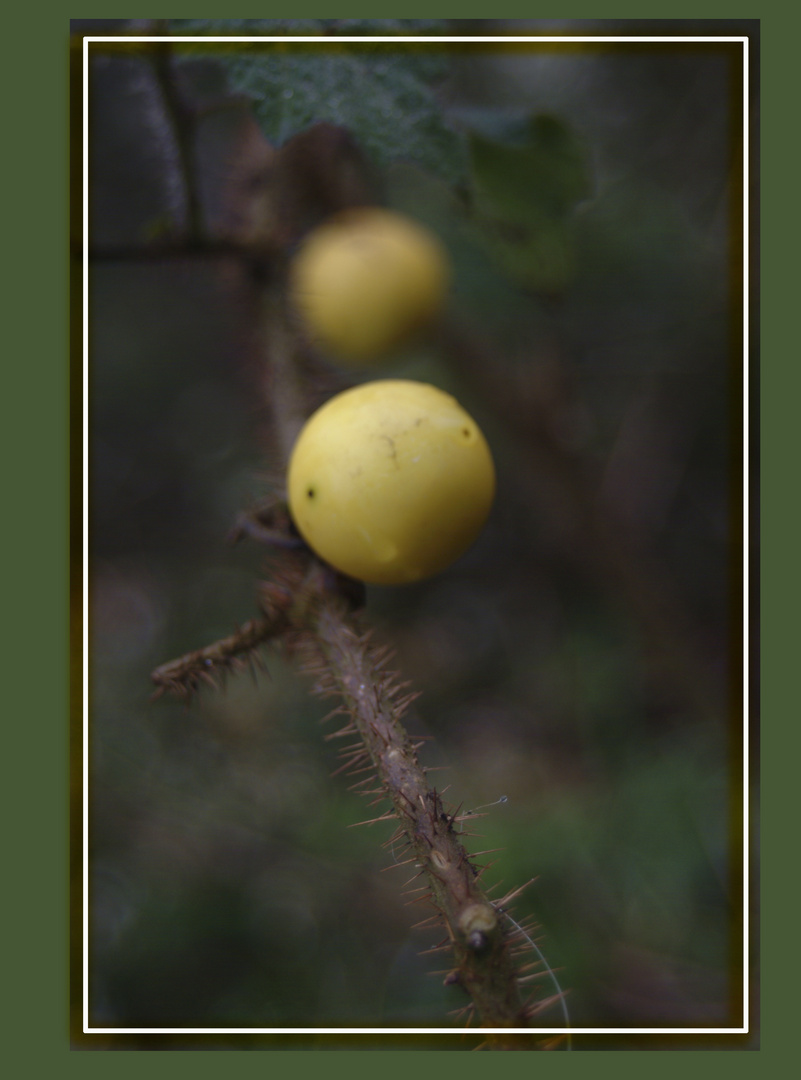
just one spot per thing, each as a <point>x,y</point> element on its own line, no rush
<point>37,536</point>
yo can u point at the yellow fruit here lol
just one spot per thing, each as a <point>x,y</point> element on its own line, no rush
<point>366,280</point>
<point>390,481</point>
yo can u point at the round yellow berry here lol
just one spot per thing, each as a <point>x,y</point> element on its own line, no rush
<point>366,280</point>
<point>390,481</point>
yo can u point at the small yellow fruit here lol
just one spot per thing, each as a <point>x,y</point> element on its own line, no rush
<point>366,280</point>
<point>390,481</point>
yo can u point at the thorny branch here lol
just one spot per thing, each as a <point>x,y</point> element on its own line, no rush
<point>375,702</point>
<point>313,610</point>
<point>310,607</point>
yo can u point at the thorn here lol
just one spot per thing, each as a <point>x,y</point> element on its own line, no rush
<point>432,920</point>
<point>372,821</point>
<point>349,729</point>
<point>356,772</point>
<point>483,869</point>
<point>525,979</point>
<point>405,702</point>
<point>359,783</point>
<point>437,948</point>
<point>340,710</point>
<point>429,896</point>
<point>395,865</point>
<point>413,878</point>
<point>531,966</point>
<point>351,761</point>
<point>526,929</point>
<point>351,749</point>
<point>408,800</point>
<point>393,687</point>
<point>535,1007</point>
<point>507,899</point>
<point>382,656</point>
<point>396,836</point>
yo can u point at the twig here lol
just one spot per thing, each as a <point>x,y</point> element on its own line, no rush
<point>276,600</point>
<point>188,672</point>
<point>183,121</point>
<point>346,664</point>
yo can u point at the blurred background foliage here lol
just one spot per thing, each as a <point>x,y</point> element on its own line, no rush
<point>581,659</point>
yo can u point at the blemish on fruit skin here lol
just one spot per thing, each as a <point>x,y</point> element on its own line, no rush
<point>393,450</point>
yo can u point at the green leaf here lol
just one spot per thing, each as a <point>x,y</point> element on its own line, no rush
<point>524,193</point>
<point>382,92</point>
<point>521,183</point>
<point>240,27</point>
<point>308,27</point>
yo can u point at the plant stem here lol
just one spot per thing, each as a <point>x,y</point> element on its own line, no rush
<point>182,118</point>
<point>340,654</point>
<point>374,701</point>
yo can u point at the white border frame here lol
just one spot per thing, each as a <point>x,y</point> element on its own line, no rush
<point>397,1031</point>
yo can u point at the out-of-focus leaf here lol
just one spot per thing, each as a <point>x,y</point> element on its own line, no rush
<point>382,92</point>
<point>542,258</point>
<point>543,174</point>
<point>524,193</point>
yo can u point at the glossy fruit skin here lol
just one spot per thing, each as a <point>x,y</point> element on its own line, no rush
<point>365,281</point>
<point>390,481</point>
